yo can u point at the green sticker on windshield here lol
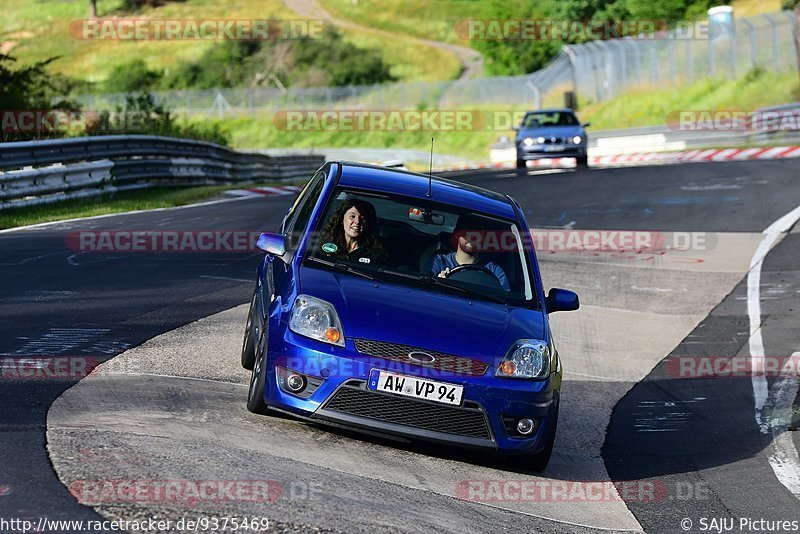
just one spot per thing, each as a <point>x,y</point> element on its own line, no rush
<point>330,248</point>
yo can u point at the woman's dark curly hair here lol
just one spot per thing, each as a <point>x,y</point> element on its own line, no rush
<point>333,232</point>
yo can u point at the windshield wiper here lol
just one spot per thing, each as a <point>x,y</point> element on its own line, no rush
<point>442,282</point>
<point>341,267</point>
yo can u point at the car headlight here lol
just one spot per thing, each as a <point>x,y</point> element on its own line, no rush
<point>540,140</point>
<point>577,139</point>
<point>317,319</point>
<point>527,358</point>
<point>527,141</point>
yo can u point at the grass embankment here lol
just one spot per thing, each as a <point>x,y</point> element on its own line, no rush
<point>420,18</point>
<point>143,199</point>
<point>644,107</point>
<point>33,31</point>
<point>437,20</point>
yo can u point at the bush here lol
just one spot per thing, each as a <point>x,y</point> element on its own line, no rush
<point>31,88</point>
<point>345,63</point>
<point>141,115</point>
<point>329,60</point>
<point>223,65</point>
<point>135,5</point>
<point>131,77</point>
<point>752,75</point>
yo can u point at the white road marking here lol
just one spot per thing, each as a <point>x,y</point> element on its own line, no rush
<point>60,341</point>
<point>106,215</point>
<point>596,377</point>
<point>101,371</point>
<point>648,289</point>
<point>26,260</point>
<point>783,457</point>
<point>546,171</point>
<point>663,416</point>
<point>712,187</point>
<point>224,278</point>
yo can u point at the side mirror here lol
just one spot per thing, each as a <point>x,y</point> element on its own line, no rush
<point>274,244</point>
<point>515,128</point>
<point>586,124</point>
<point>561,300</point>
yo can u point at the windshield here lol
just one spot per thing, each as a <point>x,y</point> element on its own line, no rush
<point>550,118</point>
<point>424,244</point>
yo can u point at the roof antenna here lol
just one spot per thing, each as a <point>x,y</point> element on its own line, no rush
<point>430,172</point>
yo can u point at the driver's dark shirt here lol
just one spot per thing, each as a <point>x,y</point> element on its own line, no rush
<point>440,262</point>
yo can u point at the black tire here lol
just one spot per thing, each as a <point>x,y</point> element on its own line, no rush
<point>582,161</point>
<point>249,342</point>
<point>258,378</point>
<point>522,164</point>
<point>539,461</point>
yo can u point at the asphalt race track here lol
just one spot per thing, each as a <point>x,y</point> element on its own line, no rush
<point>167,398</point>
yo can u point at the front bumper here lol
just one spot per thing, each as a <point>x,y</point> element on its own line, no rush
<point>534,152</point>
<point>341,397</point>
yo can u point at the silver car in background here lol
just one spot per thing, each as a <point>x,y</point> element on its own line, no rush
<point>551,133</point>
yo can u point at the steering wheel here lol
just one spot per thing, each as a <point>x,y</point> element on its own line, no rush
<point>469,267</point>
<point>470,270</point>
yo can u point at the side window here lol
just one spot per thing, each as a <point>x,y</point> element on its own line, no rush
<point>301,211</point>
<point>292,213</point>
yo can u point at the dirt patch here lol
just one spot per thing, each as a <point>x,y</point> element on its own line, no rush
<point>6,46</point>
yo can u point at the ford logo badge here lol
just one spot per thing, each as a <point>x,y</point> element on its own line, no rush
<point>422,357</point>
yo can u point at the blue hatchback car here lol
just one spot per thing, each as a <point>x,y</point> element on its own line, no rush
<point>406,305</point>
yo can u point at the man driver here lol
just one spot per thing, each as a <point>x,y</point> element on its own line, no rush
<point>466,253</point>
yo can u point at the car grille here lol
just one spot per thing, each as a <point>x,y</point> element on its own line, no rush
<point>354,399</point>
<point>553,140</point>
<point>442,362</point>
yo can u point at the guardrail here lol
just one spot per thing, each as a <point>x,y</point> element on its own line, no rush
<point>38,172</point>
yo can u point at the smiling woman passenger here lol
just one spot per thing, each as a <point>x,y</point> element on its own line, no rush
<point>352,233</point>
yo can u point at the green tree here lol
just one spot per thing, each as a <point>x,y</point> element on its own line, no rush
<point>31,88</point>
<point>520,56</point>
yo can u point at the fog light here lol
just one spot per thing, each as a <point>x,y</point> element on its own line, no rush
<point>295,383</point>
<point>525,426</point>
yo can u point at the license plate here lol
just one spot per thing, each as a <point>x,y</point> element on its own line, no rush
<point>411,386</point>
<point>553,148</point>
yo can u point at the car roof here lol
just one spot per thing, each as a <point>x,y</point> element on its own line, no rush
<point>551,110</point>
<point>411,184</point>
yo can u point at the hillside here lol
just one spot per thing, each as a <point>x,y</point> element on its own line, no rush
<point>32,30</point>
<point>415,38</point>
